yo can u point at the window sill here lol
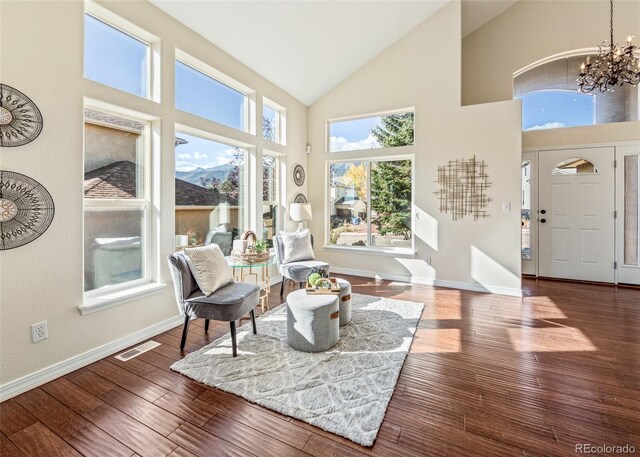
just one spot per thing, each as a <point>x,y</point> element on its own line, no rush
<point>115,298</point>
<point>408,253</point>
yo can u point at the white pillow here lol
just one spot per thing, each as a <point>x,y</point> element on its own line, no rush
<point>297,246</point>
<point>209,267</point>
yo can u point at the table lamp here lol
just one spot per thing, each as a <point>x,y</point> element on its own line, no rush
<point>300,212</point>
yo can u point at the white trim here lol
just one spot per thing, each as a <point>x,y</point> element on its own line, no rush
<point>430,282</point>
<point>110,298</point>
<point>562,55</point>
<point>30,381</point>
<point>581,146</point>
<point>394,252</point>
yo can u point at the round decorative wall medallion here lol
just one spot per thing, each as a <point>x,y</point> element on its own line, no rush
<point>300,198</point>
<point>26,210</point>
<point>298,175</point>
<point>20,118</point>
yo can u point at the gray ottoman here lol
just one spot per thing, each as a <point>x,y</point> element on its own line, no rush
<point>313,323</point>
<point>345,301</point>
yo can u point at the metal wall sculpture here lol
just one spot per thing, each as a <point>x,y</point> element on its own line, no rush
<point>26,210</point>
<point>20,118</point>
<point>463,184</point>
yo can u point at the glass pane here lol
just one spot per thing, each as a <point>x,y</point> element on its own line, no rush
<point>112,247</point>
<point>269,123</point>
<point>199,94</point>
<point>113,157</point>
<point>269,222</point>
<point>549,109</point>
<point>210,192</point>
<point>574,166</point>
<point>373,132</point>
<point>269,197</point>
<point>525,208</point>
<point>631,210</point>
<point>114,58</point>
<point>391,203</point>
<point>348,201</point>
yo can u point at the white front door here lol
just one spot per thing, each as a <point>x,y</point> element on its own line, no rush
<point>576,214</point>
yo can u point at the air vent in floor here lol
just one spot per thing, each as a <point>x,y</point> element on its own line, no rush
<point>136,351</point>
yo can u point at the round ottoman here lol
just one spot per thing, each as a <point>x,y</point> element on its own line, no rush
<point>345,301</point>
<point>313,323</point>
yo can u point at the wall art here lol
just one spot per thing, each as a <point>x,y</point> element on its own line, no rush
<point>463,184</point>
<point>20,118</point>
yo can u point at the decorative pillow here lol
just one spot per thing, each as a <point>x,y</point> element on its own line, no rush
<point>297,246</point>
<point>209,268</point>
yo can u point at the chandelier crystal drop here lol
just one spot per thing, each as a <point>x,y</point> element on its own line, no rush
<point>614,65</point>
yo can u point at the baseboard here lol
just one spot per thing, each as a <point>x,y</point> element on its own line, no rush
<point>30,381</point>
<point>430,282</point>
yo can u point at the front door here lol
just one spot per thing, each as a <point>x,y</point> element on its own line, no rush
<point>576,214</point>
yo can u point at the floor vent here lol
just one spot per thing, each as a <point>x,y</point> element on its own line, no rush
<point>136,351</point>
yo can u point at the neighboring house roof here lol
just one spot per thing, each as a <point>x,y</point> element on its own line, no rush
<point>118,180</point>
<point>115,121</point>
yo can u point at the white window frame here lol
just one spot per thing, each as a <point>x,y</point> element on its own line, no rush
<point>107,296</point>
<point>249,105</point>
<point>279,191</point>
<point>280,127</point>
<point>328,122</point>
<point>137,33</point>
<point>381,250</point>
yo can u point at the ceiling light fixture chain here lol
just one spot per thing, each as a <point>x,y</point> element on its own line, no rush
<point>614,65</point>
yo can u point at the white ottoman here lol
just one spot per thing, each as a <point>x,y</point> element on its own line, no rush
<point>345,301</point>
<point>313,323</point>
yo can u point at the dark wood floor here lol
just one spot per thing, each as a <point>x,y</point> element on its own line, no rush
<point>487,375</point>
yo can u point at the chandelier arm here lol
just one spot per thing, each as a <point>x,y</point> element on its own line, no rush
<point>611,27</point>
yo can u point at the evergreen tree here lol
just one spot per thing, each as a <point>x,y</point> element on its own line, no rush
<point>391,181</point>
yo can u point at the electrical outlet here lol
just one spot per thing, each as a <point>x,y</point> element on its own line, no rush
<point>427,260</point>
<point>39,332</point>
<point>506,207</point>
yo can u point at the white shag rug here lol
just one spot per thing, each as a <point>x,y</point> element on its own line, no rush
<point>344,390</point>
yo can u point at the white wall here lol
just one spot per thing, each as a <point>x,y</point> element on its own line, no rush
<point>42,55</point>
<point>422,70</point>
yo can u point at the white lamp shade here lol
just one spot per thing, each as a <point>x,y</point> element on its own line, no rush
<point>300,212</point>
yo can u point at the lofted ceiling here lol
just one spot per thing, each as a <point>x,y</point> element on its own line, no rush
<point>476,13</point>
<point>308,47</point>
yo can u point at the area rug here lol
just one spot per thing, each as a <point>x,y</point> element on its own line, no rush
<point>345,390</point>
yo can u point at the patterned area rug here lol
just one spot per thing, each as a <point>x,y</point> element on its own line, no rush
<point>345,390</point>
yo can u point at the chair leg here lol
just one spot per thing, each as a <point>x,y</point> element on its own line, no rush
<point>282,287</point>
<point>232,324</point>
<point>206,325</point>
<point>185,330</point>
<point>252,313</point>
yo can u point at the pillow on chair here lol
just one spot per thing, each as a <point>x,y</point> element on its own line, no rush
<point>209,268</point>
<point>297,246</point>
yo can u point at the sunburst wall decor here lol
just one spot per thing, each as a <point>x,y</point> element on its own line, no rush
<point>20,118</point>
<point>463,184</point>
<point>26,210</point>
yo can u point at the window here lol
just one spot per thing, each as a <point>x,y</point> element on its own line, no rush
<point>270,197</point>
<point>210,192</point>
<point>575,166</point>
<point>382,131</point>
<point>204,96</point>
<point>631,221</point>
<point>525,208</point>
<point>550,109</point>
<point>371,203</point>
<point>273,122</point>
<point>115,58</point>
<point>116,200</point>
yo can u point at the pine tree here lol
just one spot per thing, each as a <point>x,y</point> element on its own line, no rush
<point>391,180</point>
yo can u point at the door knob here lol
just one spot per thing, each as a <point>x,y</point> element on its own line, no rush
<point>542,221</point>
<point>543,211</point>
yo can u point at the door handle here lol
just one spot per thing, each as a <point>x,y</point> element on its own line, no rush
<point>542,221</point>
<point>543,211</point>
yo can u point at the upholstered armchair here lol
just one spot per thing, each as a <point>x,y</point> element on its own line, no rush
<point>229,303</point>
<point>221,237</point>
<point>295,271</point>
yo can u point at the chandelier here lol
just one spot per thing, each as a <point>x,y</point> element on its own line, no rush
<point>614,66</point>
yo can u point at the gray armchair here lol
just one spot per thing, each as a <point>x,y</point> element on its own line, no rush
<point>229,303</point>
<point>295,271</point>
<point>221,237</point>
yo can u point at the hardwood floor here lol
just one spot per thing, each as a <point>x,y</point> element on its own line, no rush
<point>486,375</point>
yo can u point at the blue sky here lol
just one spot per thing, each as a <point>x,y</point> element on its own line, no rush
<point>556,108</point>
<point>199,152</point>
<point>354,134</point>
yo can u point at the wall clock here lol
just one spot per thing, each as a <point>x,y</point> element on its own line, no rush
<point>300,198</point>
<point>20,118</point>
<point>298,175</point>
<point>26,210</point>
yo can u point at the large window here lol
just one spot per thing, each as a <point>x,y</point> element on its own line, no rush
<point>204,96</point>
<point>115,58</point>
<point>382,131</point>
<point>549,109</point>
<point>116,200</point>
<point>371,203</point>
<point>270,197</point>
<point>273,122</point>
<point>210,192</point>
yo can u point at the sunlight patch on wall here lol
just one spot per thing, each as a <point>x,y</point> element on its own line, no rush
<point>488,272</point>
<point>426,227</point>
